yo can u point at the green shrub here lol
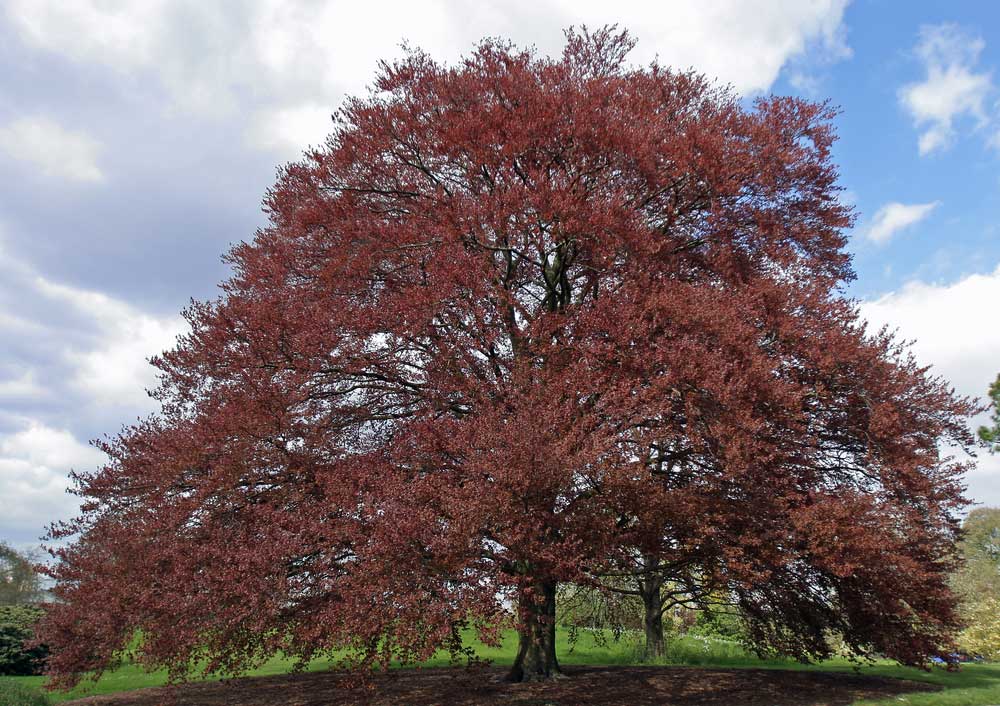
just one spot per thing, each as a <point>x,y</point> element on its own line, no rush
<point>17,626</point>
<point>14,694</point>
<point>724,625</point>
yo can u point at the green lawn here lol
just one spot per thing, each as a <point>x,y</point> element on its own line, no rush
<point>974,685</point>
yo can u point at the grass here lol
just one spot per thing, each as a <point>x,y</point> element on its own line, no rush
<point>15,693</point>
<point>974,685</point>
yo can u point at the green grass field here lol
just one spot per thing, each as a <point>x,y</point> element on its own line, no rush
<point>974,685</point>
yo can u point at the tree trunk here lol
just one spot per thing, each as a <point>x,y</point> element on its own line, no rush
<point>536,650</point>
<point>655,645</point>
<point>652,601</point>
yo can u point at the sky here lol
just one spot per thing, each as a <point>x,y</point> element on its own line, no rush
<point>137,138</point>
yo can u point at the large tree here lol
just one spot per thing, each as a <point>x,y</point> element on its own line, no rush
<point>517,322</point>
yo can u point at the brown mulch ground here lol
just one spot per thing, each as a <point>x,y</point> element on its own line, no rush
<point>607,686</point>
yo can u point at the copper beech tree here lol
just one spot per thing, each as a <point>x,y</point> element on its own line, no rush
<point>523,321</point>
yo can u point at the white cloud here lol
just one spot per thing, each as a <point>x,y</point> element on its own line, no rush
<point>947,326</point>
<point>290,130</point>
<point>34,463</point>
<point>743,43</point>
<point>22,386</point>
<point>894,217</point>
<point>285,63</point>
<point>952,87</point>
<point>804,83</point>
<point>53,149</point>
<point>43,447</point>
<point>121,34</point>
<point>102,343</point>
<point>73,359</point>
<point>113,371</point>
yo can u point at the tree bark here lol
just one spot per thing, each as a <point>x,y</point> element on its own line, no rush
<point>652,602</point>
<point>536,651</point>
<point>655,645</point>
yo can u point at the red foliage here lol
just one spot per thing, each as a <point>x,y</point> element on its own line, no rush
<point>516,320</point>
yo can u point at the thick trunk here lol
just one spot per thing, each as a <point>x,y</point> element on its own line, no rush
<point>536,650</point>
<point>653,616</point>
<point>655,646</point>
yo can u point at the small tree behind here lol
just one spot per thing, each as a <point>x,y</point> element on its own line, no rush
<point>980,548</point>
<point>991,433</point>
<point>20,583</point>
<point>981,635</point>
<point>20,588</point>
<point>977,584</point>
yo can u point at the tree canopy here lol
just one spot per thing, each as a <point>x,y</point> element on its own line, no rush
<point>517,322</point>
<point>990,434</point>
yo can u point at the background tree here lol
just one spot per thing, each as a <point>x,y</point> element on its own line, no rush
<point>981,635</point>
<point>991,434</point>
<point>582,606</point>
<point>657,588</point>
<point>977,583</point>
<point>515,320</point>
<point>20,583</point>
<point>20,590</point>
<point>980,548</point>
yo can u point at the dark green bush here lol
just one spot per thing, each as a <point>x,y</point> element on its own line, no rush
<point>17,626</point>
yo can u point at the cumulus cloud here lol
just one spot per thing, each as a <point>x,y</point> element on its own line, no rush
<point>99,344</point>
<point>953,87</point>
<point>894,217</point>
<point>74,366</point>
<point>113,370</point>
<point>948,330</point>
<point>290,130</point>
<point>947,326</point>
<point>51,148</point>
<point>285,64</point>
<point>34,462</point>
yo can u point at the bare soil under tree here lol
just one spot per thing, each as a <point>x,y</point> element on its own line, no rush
<point>608,686</point>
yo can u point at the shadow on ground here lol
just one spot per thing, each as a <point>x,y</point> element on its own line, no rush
<point>607,686</point>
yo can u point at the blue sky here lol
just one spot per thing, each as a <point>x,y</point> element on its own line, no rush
<point>137,138</point>
<point>879,151</point>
